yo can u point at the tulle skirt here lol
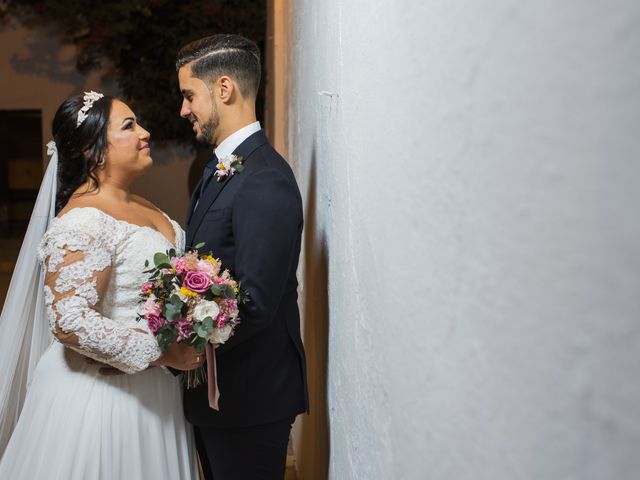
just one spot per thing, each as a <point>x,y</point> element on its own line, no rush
<point>77,424</point>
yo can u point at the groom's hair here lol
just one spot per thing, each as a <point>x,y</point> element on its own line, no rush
<point>224,54</point>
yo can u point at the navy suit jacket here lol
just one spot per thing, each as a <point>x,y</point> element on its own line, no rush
<point>253,222</point>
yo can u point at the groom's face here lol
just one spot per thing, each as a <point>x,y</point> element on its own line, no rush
<point>198,106</point>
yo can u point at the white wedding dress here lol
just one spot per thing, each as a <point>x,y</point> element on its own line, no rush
<point>76,423</point>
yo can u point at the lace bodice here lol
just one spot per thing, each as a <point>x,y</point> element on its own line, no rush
<point>93,274</point>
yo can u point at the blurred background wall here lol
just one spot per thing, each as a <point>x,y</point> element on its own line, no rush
<point>37,73</point>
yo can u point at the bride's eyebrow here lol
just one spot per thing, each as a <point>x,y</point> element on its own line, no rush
<point>133,119</point>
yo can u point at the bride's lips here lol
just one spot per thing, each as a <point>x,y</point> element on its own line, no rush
<point>145,147</point>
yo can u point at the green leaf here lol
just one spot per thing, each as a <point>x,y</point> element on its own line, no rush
<point>161,260</point>
<point>166,336</point>
<point>216,289</point>
<point>171,311</point>
<point>176,300</point>
<point>200,330</point>
<point>146,263</point>
<point>172,253</point>
<point>228,291</point>
<point>207,323</point>
<point>199,246</point>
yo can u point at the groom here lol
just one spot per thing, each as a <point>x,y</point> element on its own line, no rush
<point>251,219</point>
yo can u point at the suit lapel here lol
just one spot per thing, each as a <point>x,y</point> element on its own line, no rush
<point>192,202</point>
<point>213,190</point>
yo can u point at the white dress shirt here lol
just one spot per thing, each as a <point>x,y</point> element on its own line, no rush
<point>230,143</point>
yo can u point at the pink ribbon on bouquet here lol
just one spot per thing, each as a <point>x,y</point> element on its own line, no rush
<point>212,380</point>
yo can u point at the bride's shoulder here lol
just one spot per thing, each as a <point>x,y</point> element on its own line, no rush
<point>83,228</point>
<point>80,216</point>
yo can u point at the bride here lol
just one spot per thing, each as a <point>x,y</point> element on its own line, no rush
<point>77,422</point>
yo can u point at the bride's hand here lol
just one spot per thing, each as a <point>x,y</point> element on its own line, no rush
<point>181,357</point>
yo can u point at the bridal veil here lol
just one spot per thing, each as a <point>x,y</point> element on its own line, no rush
<point>24,329</point>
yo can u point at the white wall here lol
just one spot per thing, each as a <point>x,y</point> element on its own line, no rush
<point>37,72</point>
<point>472,171</point>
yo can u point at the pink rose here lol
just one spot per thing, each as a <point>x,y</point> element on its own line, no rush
<point>156,322</point>
<point>150,307</point>
<point>146,287</point>
<point>180,264</point>
<point>197,281</point>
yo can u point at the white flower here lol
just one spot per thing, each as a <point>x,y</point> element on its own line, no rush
<point>205,309</point>
<point>221,335</point>
<point>228,166</point>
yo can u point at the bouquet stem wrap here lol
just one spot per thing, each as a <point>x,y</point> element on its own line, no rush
<point>212,382</point>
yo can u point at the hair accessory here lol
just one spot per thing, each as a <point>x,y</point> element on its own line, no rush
<point>89,98</point>
<point>52,148</point>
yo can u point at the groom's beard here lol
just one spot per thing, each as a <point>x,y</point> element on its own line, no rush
<point>208,129</point>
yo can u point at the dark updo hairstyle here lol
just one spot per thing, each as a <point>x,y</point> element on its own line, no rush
<point>81,148</point>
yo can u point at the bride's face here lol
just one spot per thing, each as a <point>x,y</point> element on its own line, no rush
<point>128,150</point>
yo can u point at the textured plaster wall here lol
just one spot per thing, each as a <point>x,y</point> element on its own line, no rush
<point>470,172</point>
<point>37,72</point>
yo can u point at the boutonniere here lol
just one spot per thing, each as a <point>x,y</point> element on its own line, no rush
<point>228,167</point>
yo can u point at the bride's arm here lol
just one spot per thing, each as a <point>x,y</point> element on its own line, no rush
<point>78,268</point>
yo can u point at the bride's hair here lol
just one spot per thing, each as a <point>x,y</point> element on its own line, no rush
<point>81,148</point>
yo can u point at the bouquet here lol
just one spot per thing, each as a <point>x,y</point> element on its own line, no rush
<point>189,298</point>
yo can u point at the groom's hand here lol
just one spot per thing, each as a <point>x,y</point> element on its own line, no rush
<point>181,357</point>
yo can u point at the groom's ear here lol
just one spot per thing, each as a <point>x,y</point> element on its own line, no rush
<point>227,89</point>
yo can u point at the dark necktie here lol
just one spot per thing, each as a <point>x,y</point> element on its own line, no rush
<point>209,170</point>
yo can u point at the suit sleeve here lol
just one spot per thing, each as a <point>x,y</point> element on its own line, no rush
<point>267,221</point>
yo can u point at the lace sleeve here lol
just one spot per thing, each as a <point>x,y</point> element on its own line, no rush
<point>77,270</point>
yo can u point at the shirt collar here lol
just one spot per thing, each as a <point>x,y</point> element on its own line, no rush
<point>229,144</point>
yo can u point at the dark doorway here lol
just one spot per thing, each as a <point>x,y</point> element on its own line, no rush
<point>20,169</point>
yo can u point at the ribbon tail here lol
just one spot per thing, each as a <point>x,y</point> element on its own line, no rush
<point>212,380</point>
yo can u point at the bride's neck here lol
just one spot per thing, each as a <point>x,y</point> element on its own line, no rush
<point>119,191</point>
<point>115,188</point>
